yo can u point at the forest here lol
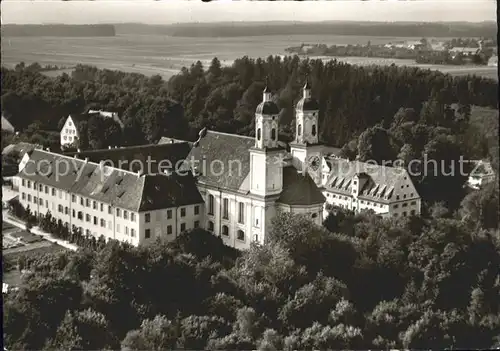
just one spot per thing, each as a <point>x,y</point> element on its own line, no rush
<point>58,30</point>
<point>378,29</point>
<point>357,282</point>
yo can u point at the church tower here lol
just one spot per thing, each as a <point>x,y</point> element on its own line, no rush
<point>306,149</point>
<point>266,166</point>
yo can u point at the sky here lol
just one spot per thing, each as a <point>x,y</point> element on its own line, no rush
<point>177,11</point>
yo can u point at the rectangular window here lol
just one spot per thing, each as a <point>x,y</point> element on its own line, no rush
<point>73,198</point>
<point>147,233</point>
<point>125,214</point>
<point>66,210</point>
<point>103,223</point>
<point>87,217</point>
<point>169,214</point>
<point>196,224</point>
<point>110,225</point>
<point>183,212</point>
<point>197,210</point>
<point>59,208</point>
<point>147,218</point>
<point>46,204</point>
<point>241,213</point>
<point>225,208</point>
<point>117,227</point>
<point>94,205</point>
<point>126,230</point>
<point>46,189</point>
<point>95,220</point>
<point>80,215</point>
<point>109,210</point>
<point>60,194</point>
<point>102,207</point>
<point>413,202</point>
<point>23,182</point>
<point>29,184</point>
<point>35,200</point>
<point>169,229</point>
<point>40,201</point>
<point>73,213</point>
<point>132,233</point>
<point>132,216</point>
<point>81,201</point>
<point>118,212</point>
<point>23,196</point>
<point>87,202</point>
<point>53,192</point>
<point>210,204</point>
<point>183,227</point>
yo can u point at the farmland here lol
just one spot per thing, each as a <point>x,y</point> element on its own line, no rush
<point>164,55</point>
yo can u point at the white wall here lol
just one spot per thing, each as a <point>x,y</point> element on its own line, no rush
<point>69,132</point>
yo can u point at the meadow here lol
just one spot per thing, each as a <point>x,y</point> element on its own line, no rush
<point>164,55</point>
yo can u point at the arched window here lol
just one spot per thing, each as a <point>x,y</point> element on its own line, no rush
<point>313,131</point>
<point>273,134</point>
<point>299,129</point>
<point>240,235</point>
<point>225,230</point>
<point>258,134</point>
<point>211,204</point>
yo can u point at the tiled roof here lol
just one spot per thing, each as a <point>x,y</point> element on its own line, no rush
<point>299,190</point>
<point>133,156</point>
<point>382,183</point>
<point>119,188</point>
<point>218,149</point>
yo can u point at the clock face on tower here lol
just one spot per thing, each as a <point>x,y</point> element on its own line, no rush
<point>314,163</point>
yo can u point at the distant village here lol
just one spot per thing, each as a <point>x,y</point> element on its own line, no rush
<point>457,51</point>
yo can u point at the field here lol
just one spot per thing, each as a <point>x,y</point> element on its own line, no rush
<point>163,55</point>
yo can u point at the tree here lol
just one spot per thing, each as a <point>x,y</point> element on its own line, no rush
<point>157,334</point>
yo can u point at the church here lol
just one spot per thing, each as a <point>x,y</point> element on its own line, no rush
<point>231,185</point>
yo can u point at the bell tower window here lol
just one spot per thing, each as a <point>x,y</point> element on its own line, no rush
<point>299,130</point>
<point>313,131</point>
<point>273,134</point>
<point>258,134</point>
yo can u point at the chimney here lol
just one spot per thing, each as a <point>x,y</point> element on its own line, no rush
<point>86,159</point>
<point>48,149</point>
<point>74,156</point>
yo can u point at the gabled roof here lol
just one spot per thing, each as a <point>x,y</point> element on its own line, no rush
<point>113,186</point>
<point>229,150</point>
<point>130,158</point>
<point>482,168</point>
<point>299,190</point>
<point>20,148</point>
<point>382,183</point>
<point>167,140</point>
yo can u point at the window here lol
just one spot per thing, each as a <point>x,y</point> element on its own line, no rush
<point>46,189</point>
<point>29,184</point>
<point>197,210</point>
<point>404,213</point>
<point>225,230</point>
<point>40,201</point>
<point>73,198</point>
<point>196,224</point>
<point>169,229</point>
<point>109,210</point>
<point>23,196</point>
<point>60,194</point>
<point>256,237</point>
<point>210,226</point>
<point>314,215</point>
<point>35,200</point>
<point>273,134</point>
<point>132,216</point>
<point>23,182</point>
<point>240,235</point>
<point>258,134</point>
<point>183,212</point>
<point>125,214</point>
<point>110,226</point>
<point>256,216</point>
<point>87,202</point>
<point>60,208</point>
<point>404,205</point>
<point>66,210</point>
<point>87,217</point>
<point>241,213</point>
<point>395,206</point>
<point>54,192</point>
<point>126,230</point>
<point>103,223</point>
<point>225,208</point>
<point>299,129</point>
<point>132,233</point>
<point>413,202</point>
<point>95,220</point>
<point>118,212</point>
<point>210,204</point>
<point>40,187</point>
<point>81,201</point>
<point>80,215</point>
<point>147,218</point>
<point>117,227</point>
<point>147,233</point>
<point>183,227</point>
<point>169,214</point>
<point>102,207</point>
<point>412,212</point>
<point>46,204</point>
<point>73,213</point>
<point>313,132</point>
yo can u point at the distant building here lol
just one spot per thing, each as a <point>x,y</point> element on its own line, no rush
<point>7,126</point>
<point>70,133</point>
<point>481,174</point>
<point>464,51</point>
